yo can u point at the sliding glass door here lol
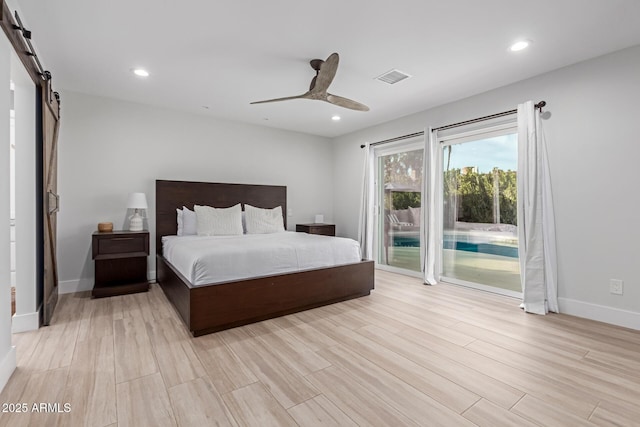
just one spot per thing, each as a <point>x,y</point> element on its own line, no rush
<point>479,213</point>
<point>399,177</point>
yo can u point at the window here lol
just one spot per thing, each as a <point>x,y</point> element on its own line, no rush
<point>479,209</point>
<point>398,180</point>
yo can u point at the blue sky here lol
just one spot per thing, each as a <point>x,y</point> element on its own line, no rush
<point>485,154</point>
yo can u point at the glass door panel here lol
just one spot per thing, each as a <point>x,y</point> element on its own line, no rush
<point>400,194</point>
<point>479,230</point>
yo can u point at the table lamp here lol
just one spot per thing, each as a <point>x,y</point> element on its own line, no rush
<point>136,201</point>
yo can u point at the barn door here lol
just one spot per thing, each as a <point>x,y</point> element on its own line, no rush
<point>51,202</point>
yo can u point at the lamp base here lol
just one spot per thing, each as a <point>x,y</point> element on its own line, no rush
<point>135,222</point>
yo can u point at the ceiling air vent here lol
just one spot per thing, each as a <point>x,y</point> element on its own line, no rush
<point>393,76</point>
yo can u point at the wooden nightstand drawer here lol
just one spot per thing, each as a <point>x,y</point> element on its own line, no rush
<point>322,229</point>
<point>120,244</point>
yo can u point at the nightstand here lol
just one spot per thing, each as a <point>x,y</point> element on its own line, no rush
<point>324,229</point>
<point>121,262</point>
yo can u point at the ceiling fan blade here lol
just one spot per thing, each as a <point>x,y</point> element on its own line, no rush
<point>346,103</point>
<point>326,73</point>
<point>281,99</point>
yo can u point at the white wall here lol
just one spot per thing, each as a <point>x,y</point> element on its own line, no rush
<point>7,352</point>
<point>594,149</point>
<point>109,148</point>
<point>26,317</point>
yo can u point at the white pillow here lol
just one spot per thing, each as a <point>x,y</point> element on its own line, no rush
<point>186,222</point>
<point>218,221</point>
<point>179,213</point>
<point>262,221</point>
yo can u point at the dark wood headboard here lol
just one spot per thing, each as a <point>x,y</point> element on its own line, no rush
<point>171,195</point>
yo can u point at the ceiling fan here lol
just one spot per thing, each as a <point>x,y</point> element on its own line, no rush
<point>325,72</point>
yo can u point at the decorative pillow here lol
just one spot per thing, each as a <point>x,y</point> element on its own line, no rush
<point>262,221</point>
<point>186,222</point>
<point>218,221</point>
<point>414,215</point>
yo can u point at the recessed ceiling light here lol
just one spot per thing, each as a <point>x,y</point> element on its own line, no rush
<point>335,118</point>
<point>520,45</point>
<point>140,72</point>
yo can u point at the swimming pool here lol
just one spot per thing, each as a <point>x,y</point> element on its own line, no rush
<point>449,243</point>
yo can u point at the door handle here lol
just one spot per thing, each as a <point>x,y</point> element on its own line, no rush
<point>53,202</point>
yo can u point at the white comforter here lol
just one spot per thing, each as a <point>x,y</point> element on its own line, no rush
<point>211,259</point>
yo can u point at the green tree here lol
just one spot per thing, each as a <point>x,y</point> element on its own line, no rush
<point>405,199</point>
<point>469,196</point>
<point>403,171</point>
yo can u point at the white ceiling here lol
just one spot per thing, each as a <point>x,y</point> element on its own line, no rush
<point>225,54</point>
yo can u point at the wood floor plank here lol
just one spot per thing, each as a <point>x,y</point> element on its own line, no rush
<point>319,411</point>
<point>196,403</point>
<point>542,413</point>
<point>283,382</point>
<point>176,358</point>
<point>624,366</point>
<point>517,343</point>
<point>26,346</point>
<point>41,388</point>
<point>253,405</point>
<point>100,318</point>
<point>399,394</point>
<point>92,384</point>
<point>14,389</point>
<point>144,402</point>
<point>486,414</point>
<point>590,381</point>
<point>514,330</point>
<point>363,311</point>
<point>355,400</point>
<point>574,399</point>
<point>498,392</point>
<point>286,347</point>
<point>134,356</point>
<point>225,370</point>
<point>422,322</point>
<point>614,414</point>
<point>308,335</point>
<point>342,314</point>
<point>55,347</point>
<point>408,314</point>
<point>441,389</point>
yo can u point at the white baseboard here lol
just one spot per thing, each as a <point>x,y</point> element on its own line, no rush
<point>71,286</point>
<point>86,284</point>
<point>25,322</point>
<point>7,366</point>
<point>601,313</point>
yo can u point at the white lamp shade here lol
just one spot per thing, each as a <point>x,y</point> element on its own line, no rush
<point>137,201</point>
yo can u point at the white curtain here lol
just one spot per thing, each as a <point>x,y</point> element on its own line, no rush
<point>430,212</point>
<point>367,214</point>
<point>536,225</point>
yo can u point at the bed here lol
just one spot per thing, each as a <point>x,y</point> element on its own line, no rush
<point>207,308</point>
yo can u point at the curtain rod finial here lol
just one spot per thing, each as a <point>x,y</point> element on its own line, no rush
<point>362,146</point>
<point>541,104</point>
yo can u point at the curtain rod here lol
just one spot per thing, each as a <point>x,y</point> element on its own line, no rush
<point>539,106</point>
<point>397,138</point>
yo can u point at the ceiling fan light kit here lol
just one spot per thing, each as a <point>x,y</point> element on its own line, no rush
<point>325,72</point>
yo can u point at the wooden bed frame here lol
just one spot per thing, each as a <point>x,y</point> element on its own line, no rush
<point>211,308</point>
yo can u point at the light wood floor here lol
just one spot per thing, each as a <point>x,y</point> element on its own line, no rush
<point>408,354</point>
